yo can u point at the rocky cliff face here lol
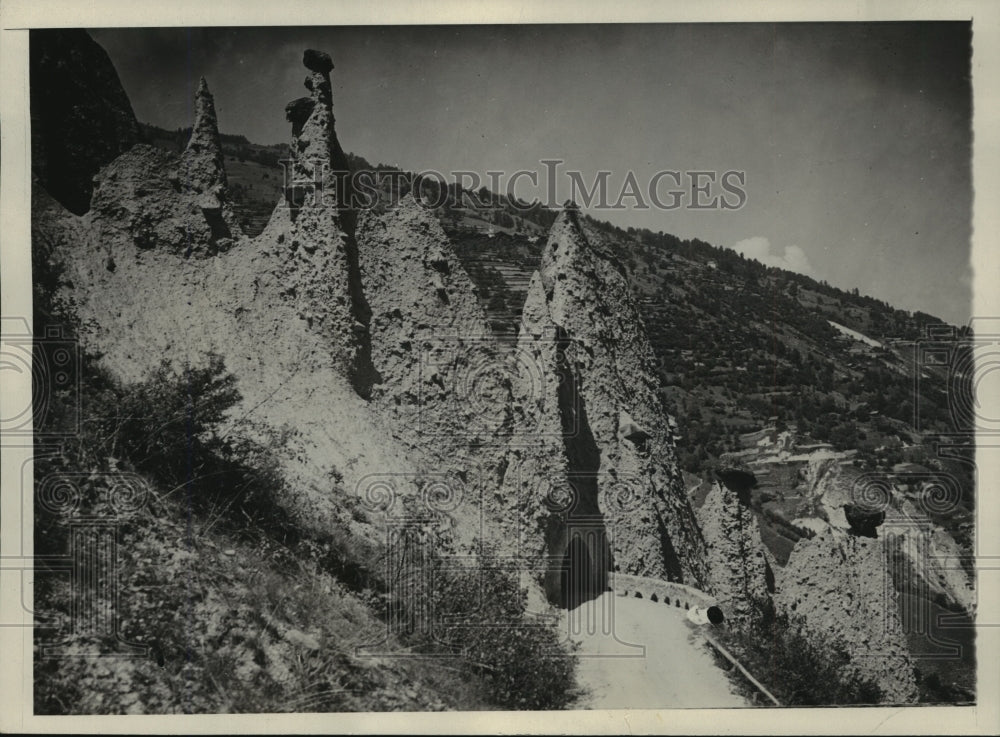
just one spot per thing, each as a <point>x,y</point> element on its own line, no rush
<point>81,117</point>
<point>551,470</point>
<point>838,583</point>
<point>431,344</point>
<point>739,572</point>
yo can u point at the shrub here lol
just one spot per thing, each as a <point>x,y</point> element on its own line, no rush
<point>481,613</point>
<point>167,424</point>
<point>800,669</point>
<point>167,427</point>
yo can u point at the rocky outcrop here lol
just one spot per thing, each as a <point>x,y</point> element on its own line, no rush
<point>203,169</point>
<point>314,236</point>
<point>838,584</point>
<point>870,505</point>
<point>739,572</point>
<point>148,197</point>
<point>552,468</point>
<point>431,344</point>
<point>443,386</point>
<point>139,198</point>
<point>319,165</point>
<point>147,271</point>
<point>596,414</point>
<point>81,118</point>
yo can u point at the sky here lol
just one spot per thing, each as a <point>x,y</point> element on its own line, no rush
<point>853,139</point>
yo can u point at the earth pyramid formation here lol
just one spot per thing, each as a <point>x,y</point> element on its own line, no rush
<point>358,336</point>
<point>365,362</point>
<point>739,567</point>
<point>591,404</point>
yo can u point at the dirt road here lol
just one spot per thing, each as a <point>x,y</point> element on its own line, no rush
<point>638,654</point>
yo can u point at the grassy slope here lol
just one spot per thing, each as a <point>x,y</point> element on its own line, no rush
<point>234,622</point>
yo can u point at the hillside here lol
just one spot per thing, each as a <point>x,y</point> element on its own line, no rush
<point>746,353</point>
<point>454,424</point>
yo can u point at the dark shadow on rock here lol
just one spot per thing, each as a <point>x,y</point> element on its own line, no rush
<point>671,561</point>
<point>365,375</point>
<point>584,570</point>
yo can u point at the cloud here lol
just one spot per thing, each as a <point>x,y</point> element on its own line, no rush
<point>759,247</point>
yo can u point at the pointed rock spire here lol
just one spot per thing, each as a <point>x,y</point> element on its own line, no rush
<point>580,321</point>
<point>739,573</point>
<point>315,236</point>
<point>202,164</point>
<point>318,161</point>
<point>202,174</point>
<point>423,306</point>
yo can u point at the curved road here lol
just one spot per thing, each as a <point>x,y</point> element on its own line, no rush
<point>675,670</point>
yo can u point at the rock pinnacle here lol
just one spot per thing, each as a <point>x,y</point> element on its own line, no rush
<point>202,164</point>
